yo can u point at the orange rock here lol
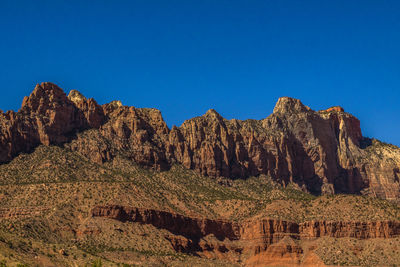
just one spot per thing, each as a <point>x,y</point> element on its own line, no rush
<point>335,109</point>
<point>260,243</point>
<point>319,151</point>
<point>283,253</point>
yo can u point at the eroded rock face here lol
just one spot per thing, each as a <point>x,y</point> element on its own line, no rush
<point>192,228</point>
<point>93,113</point>
<point>285,252</point>
<point>361,230</point>
<point>46,117</point>
<point>259,243</point>
<point>322,152</point>
<point>138,134</point>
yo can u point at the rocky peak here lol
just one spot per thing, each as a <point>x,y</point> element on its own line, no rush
<point>76,97</point>
<point>112,106</point>
<point>116,103</point>
<point>212,114</point>
<point>335,109</point>
<point>288,105</point>
<point>294,144</point>
<point>45,96</point>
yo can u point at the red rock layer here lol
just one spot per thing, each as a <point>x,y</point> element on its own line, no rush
<point>361,230</point>
<point>319,151</point>
<point>262,233</point>
<point>267,231</point>
<point>283,253</point>
<point>262,242</point>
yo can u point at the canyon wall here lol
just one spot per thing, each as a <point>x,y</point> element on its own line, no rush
<point>322,152</point>
<point>268,230</point>
<point>258,242</point>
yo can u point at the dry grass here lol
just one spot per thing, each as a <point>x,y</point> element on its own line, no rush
<point>67,186</point>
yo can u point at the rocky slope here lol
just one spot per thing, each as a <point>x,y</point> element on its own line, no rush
<point>260,242</point>
<point>57,208</point>
<point>322,152</point>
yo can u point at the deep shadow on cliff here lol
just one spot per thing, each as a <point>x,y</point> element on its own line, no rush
<point>321,152</point>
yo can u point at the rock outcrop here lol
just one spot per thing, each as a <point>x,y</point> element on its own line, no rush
<point>14,213</point>
<point>46,117</point>
<point>322,152</point>
<point>361,230</point>
<point>192,228</point>
<point>259,242</point>
<point>285,252</point>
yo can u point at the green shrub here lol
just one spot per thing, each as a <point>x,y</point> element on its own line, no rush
<point>97,263</point>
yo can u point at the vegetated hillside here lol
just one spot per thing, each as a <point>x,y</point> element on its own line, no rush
<point>48,204</point>
<point>83,183</point>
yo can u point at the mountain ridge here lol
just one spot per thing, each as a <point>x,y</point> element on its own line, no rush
<point>87,183</point>
<point>322,152</point>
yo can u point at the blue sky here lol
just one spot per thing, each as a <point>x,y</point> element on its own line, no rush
<point>185,57</point>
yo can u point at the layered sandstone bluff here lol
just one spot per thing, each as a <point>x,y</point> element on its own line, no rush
<point>322,152</point>
<point>268,231</point>
<point>258,242</point>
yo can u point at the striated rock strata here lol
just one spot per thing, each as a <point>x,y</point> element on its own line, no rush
<point>322,152</point>
<point>260,242</point>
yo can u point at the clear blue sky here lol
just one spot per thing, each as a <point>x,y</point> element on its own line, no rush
<point>184,57</point>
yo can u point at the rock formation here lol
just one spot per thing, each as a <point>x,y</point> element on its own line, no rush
<point>262,242</point>
<point>361,230</point>
<point>9,213</point>
<point>322,152</point>
<point>192,228</point>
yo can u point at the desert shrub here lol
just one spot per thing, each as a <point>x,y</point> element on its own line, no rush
<point>97,263</point>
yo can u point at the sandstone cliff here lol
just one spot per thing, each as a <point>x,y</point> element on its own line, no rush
<point>258,242</point>
<point>322,152</point>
